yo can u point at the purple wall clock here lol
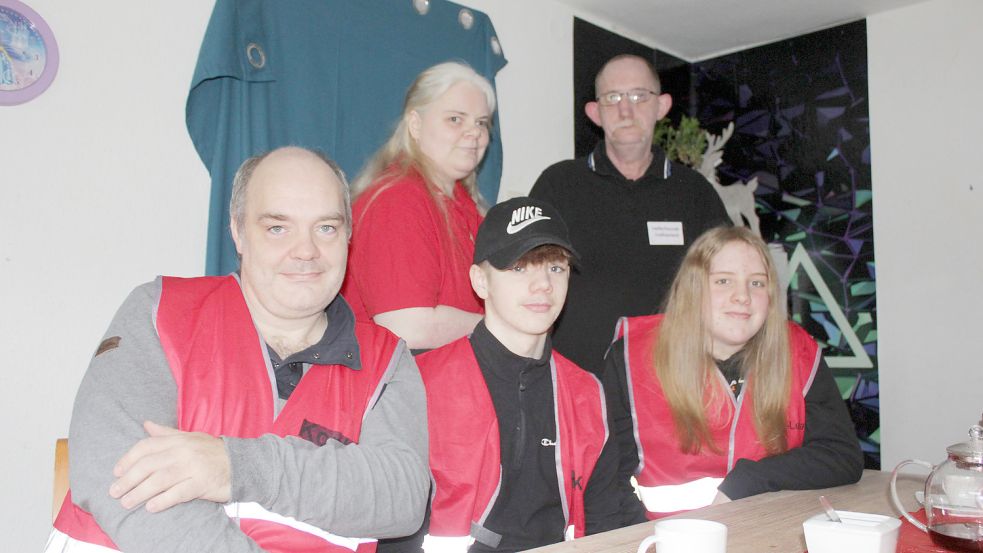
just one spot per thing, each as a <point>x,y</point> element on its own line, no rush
<point>28,53</point>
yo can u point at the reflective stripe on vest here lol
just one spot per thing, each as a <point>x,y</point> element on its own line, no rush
<point>446,544</point>
<point>680,497</point>
<point>60,542</point>
<point>255,511</point>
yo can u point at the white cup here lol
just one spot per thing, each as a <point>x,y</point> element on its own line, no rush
<point>687,535</point>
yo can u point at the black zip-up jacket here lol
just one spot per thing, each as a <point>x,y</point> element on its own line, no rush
<point>528,512</point>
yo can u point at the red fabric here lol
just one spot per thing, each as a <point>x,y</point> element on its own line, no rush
<point>224,387</point>
<point>661,461</point>
<point>403,254</point>
<point>913,540</point>
<point>216,358</point>
<point>465,457</point>
<point>80,525</point>
<point>287,540</point>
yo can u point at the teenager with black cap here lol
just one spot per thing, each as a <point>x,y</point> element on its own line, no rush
<point>519,446</point>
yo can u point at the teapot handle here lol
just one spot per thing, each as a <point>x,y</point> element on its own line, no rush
<point>894,491</point>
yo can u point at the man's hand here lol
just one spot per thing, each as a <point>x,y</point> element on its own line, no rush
<point>171,467</point>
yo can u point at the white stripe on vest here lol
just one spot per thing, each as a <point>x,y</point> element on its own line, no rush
<point>59,542</point>
<point>255,511</point>
<point>446,544</point>
<point>680,497</point>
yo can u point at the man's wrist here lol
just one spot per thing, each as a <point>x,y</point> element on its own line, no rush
<point>249,472</point>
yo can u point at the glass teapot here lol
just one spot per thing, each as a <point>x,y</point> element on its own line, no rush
<point>953,495</point>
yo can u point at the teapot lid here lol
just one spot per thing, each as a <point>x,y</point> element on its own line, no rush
<point>971,451</point>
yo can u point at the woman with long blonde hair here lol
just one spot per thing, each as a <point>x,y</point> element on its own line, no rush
<point>416,212</point>
<point>721,397</point>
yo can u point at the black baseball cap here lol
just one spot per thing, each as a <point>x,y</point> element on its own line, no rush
<point>514,227</point>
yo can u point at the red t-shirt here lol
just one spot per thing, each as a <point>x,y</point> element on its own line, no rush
<point>403,254</point>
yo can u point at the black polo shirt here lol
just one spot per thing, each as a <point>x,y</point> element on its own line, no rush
<point>337,346</point>
<point>623,269</point>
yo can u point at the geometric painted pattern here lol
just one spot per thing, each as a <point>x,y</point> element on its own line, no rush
<point>859,359</point>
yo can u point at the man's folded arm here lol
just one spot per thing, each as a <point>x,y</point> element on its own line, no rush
<point>127,383</point>
<point>376,488</point>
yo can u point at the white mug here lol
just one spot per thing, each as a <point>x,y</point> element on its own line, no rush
<point>687,535</point>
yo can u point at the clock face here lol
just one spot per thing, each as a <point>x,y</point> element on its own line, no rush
<point>28,53</point>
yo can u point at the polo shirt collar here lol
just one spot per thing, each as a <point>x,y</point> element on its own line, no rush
<point>600,163</point>
<point>337,346</point>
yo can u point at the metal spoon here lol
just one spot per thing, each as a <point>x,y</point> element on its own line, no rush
<point>828,507</point>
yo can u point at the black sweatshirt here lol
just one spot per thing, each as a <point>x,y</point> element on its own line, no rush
<point>528,512</point>
<point>829,456</point>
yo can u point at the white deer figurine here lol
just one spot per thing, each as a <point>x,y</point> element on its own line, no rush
<point>738,197</point>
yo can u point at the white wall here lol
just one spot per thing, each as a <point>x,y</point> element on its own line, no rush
<point>535,89</point>
<point>926,121</point>
<point>100,189</point>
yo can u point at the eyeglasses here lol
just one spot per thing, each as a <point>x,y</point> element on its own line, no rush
<point>635,96</point>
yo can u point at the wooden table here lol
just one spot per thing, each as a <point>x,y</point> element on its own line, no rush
<point>770,522</point>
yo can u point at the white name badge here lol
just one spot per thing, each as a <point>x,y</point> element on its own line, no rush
<point>665,233</point>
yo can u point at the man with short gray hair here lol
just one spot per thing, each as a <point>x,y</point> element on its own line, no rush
<point>251,412</point>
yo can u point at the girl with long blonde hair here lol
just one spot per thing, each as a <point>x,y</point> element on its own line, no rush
<point>721,397</point>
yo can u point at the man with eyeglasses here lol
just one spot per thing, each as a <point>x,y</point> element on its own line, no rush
<point>631,211</point>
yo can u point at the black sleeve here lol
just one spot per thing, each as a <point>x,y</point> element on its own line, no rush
<point>829,456</point>
<point>602,505</point>
<point>716,211</point>
<point>622,433</point>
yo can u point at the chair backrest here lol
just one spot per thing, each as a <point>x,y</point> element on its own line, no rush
<point>60,487</point>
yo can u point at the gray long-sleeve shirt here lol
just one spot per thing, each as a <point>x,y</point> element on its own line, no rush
<point>376,488</point>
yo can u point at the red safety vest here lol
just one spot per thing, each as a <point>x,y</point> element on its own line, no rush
<point>217,361</point>
<point>663,469</point>
<point>465,451</point>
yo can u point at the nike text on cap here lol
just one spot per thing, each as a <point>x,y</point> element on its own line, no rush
<point>514,227</point>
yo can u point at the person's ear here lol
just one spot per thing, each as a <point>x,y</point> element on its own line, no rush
<point>413,124</point>
<point>236,239</point>
<point>593,111</point>
<point>665,103</point>
<point>479,281</point>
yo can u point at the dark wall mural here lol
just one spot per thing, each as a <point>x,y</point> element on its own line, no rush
<point>801,128</point>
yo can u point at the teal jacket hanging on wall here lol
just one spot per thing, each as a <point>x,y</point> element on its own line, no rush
<point>324,74</point>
